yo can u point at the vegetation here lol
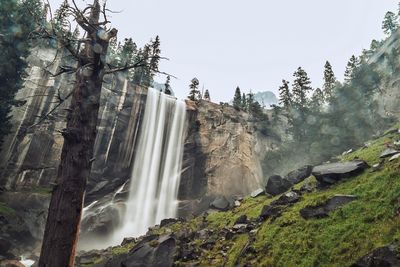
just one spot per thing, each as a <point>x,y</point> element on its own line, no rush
<point>340,239</point>
<point>17,22</point>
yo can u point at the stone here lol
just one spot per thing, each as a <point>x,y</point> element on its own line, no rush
<point>378,166</point>
<point>257,193</point>
<point>299,175</point>
<point>269,211</point>
<point>394,157</point>
<point>128,240</point>
<point>331,173</point>
<point>385,256</point>
<point>307,188</point>
<point>170,221</point>
<point>277,185</point>
<point>347,152</point>
<point>158,253</point>
<point>286,199</point>
<point>220,203</point>
<point>323,210</point>
<point>237,203</point>
<point>389,152</point>
<point>242,219</point>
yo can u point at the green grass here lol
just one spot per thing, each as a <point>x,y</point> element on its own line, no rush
<point>338,240</point>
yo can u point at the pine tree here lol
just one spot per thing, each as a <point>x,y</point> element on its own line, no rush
<point>244,101</point>
<point>17,22</point>
<point>329,82</point>
<point>194,90</point>
<point>207,95</point>
<point>301,87</point>
<point>237,99</point>
<point>168,86</point>
<point>61,17</point>
<point>317,99</point>
<point>390,23</point>
<point>352,65</point>
<point>285,97</point>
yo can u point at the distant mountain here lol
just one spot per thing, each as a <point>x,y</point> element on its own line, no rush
<point>266,98</point>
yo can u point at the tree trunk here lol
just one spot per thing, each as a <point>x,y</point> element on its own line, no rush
<point>62,227</point>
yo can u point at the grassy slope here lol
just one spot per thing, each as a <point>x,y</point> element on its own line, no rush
<point>339,240</point>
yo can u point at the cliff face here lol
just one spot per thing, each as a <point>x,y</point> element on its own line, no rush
<point>224,150</point>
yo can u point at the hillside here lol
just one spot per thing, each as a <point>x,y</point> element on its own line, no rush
<point>271,231</point>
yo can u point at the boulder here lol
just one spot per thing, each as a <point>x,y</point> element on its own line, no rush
<point>170,221</point>
<point>394,157</point>
<point>286,199</point>
<point>388,153</point>
<point>220,203</point>
<point>323,210</point>
<point>241,220</point>
<point>385,256</point>
<point>277,185</point>
<point>331,173</point>
<point>158,253</point>
<point>299,175</point>
<point>257,193</point>
<point>270,212</point>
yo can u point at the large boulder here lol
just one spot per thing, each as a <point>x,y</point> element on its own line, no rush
<point>220,203</point>
<point>299,175</point>
<point>384,256</point>
<point>331,173</point>
<point>323,210</point>
<point>277,185</point>
<point>388,153</point>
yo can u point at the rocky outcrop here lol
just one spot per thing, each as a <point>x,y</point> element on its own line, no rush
<point>323,210</point>
<point>222,153</point>
<point>387,256</point>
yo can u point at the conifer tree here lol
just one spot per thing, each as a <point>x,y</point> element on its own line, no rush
<point>244,101</point>
<point>237,99</point>
<point>207,95</point>
<point>285,96</point>
<point>352,65</point>
<point>168,86</point>
<point>301,87</point>
<point>329,82</point>
<point>194,90</point>
<point>317,99</point>
<point>17,22</point>
<point>390,23</point>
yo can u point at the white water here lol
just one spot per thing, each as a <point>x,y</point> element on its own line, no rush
<point>157,166</point>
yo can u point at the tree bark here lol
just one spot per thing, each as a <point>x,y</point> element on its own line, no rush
<point>62,226</point>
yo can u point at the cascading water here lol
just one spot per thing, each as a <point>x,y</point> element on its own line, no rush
<point>157,165</point>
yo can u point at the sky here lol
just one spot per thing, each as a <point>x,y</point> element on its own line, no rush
<point>253,44</point>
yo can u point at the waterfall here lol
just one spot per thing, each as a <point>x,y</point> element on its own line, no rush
<point>157,165</point>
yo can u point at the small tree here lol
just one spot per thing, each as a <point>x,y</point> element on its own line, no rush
<point>301,87</point>
<point>207,95</point>
<point>194,93</point>
<point>237,99</point>
<point>317,100</point>
<point>168,86</point>
<point>390,23</point>
<point>352,65</point>
<point>329,83</point>
<point>285,96</point>
<point>244,101</point>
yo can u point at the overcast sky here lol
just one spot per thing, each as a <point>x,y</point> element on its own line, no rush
<point>254,43</point>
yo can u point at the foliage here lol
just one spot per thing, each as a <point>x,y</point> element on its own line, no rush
<point>237,99</point>
<point>194,93</point>
<point>17,22</point>
<point>390,23</point>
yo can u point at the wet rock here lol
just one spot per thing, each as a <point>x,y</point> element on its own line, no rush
<point>11,263</point>
<point>277,185</point>
<point>380,257</point>
<point>389,152</point>
<point>159,253</point>
<point>331,173</point>
<point>270,212</point>
<point>128,240</point>
<point>288,198</point>
<point>220,203</point>
<point>394,157</point>
<point>208,244</point>
<point>257,193</point>
<point>170,221</point>
<point>299,175</point>
<point>323,210</point>
<point>242,219</point>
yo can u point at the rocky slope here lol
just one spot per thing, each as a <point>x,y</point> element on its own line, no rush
<point>345,213</point>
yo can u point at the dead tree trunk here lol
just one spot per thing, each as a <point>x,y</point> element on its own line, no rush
<point>62,227</point>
